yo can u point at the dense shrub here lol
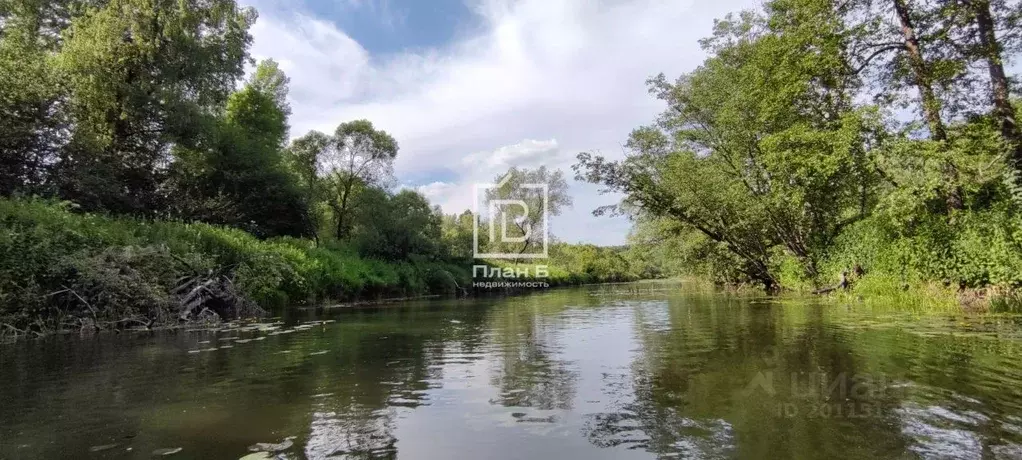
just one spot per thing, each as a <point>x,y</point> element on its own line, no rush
<point>127,267</point>
<point>975,249</point>
<point>59,267</point>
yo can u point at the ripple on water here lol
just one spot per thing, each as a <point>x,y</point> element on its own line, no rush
<point>570,376</point>
<point>940,432</point>
<point>356,433</point>
<point>665,434</point>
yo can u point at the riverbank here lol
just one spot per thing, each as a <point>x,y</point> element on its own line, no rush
<point>879,290</point>
<point>559,360</point>
<point>930,297</point>
<point>65,270</point>
<point>549,373</point>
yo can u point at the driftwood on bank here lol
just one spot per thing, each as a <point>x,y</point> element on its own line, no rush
<point>104,302</point>
<point>211,292</point>
<point>845,281</point>
<point>843,284</point>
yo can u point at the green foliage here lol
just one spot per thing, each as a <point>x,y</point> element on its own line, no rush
<point>302,159</point>
<point>457,235</point>
<point>140,77</point>
<point>242,180</point>
<point>586,263</point>
<point>396,227</point>
<point>523,228</point>
<point>123,265</point>
<point>776,163</point>
<point>663,248</point>
<point>163,176</point>
<point>30,124</point>
<point>761,147</point>
<point>356,158</point>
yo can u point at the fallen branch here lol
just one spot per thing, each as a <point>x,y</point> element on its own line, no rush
<point>843,284</point>
<point>82,299</point>
<point>18,332</point>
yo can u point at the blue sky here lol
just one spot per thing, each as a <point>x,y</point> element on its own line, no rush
<point>472,87</point>
<point>386,27</point>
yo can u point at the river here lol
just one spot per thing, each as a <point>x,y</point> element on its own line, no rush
<point>625,371</point>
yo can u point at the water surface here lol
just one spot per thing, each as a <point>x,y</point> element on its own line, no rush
<point>634,371</point>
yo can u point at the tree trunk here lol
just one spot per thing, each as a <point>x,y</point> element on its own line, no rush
<point>931,105</point>
<point>525,246</point>
<point>999,91</point>
<point>310,213</point>
<point>342,213</point>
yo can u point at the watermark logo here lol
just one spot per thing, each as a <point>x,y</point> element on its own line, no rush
<point>511,220</point>
<point>517,277</point>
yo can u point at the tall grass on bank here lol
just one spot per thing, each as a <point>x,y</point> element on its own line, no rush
<point>59,268</point>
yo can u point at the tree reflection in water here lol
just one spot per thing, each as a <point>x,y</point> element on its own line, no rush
<point>585,373</point>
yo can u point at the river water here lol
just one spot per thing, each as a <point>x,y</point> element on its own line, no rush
<point>625,371</point>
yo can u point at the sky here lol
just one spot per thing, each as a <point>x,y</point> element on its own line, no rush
<point>471,87</point>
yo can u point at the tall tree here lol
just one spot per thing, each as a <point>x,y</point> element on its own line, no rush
<point>529,226</point>
<point>912,51</point>
<point>360,156</point>
<point>931,106</point>
<point>31,123</point>
<point>143,75</point>
<point>990,49</point>
<point>303,158</point>
<point>923,76</point>
<point>761,149</point>
<point>247,164</point>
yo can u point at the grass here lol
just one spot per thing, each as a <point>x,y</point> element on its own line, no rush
<point>58,266</point>
<point>61,269</point>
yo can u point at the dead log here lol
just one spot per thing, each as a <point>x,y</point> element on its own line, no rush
<point>843,284</point>
<point>215,294</point>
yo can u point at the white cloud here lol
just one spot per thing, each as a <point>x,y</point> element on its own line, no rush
<point>571,72</point>
<point>485,167</point>
<point>389,15</point>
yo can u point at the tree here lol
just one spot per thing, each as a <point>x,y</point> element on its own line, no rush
<point>761,149</point>
<point>143,76</point>
<point>303,158</point>
<point>359,156</point>
<point>34,124</point>
<point>529,225</point>
<point>245,164</point>
<point>923,77</point>
<point>937,46</point>
<point>987,47</point>
<point>44,20</point>
<point>31,125</point>
<point>457,234</point>
<point>395,227</point>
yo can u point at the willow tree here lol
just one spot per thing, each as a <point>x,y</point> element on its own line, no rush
<point>142,76</point>
<point>544,194</point>
<point>761,148</point>
<point>31,124</point>
<point>359,156</point>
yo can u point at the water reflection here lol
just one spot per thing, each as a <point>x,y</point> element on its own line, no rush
<point>611,372</point>
<point>527,371</point>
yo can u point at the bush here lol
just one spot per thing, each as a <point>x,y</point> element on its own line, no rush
<point>127,268</point>
<point>974,249</point>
